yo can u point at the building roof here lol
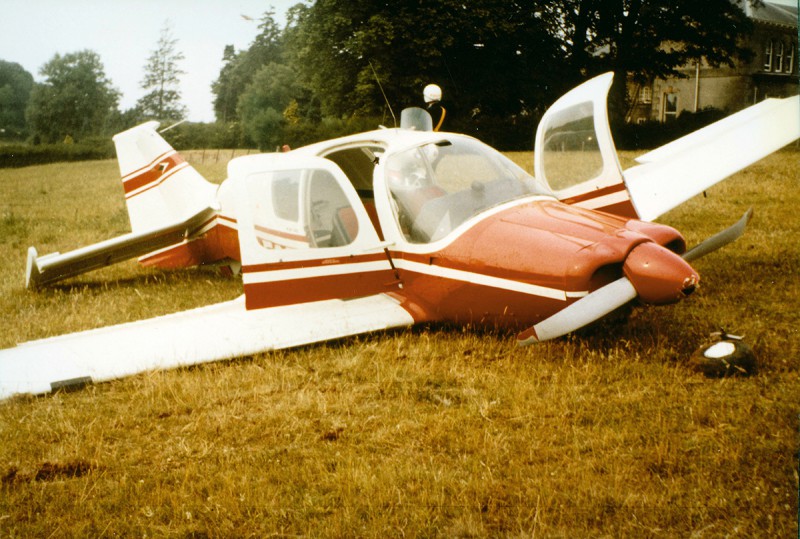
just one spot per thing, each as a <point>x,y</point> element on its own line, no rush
<point>770,13</point>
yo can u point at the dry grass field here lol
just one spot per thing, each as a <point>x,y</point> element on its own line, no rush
<point>429,432</point>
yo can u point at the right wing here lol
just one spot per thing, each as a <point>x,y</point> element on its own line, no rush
<point>53,267</point>
<point>216,332</point>
<point>675,172</point>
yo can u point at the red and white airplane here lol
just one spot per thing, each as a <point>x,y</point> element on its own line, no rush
<point>399,226</point>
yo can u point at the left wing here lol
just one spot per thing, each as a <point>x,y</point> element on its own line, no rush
<point>216,332</point>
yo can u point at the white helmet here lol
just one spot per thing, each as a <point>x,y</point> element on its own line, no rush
<point>432,93</point>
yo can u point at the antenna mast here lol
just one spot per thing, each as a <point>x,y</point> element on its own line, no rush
<point>384,93</point>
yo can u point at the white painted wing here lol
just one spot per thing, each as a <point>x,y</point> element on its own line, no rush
<point>672,174</point>
<point>53,267</point>
<point>217,332</point>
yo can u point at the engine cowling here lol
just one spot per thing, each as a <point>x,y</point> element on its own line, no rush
<point>659,275</point>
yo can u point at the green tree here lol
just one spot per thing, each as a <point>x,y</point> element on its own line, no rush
<point>225,89</point>
<point>500,63</point>
<point>76,98</point>
<point>645,39</point>
<point>15,89</point>
<point>268,104</point>
<point>491,56</point>
<point>162,79</point>
<point>240,68</point>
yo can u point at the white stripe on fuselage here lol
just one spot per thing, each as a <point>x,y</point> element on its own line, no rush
<point>487,280</point>
<point>415,267</point>
<point>290,274</point>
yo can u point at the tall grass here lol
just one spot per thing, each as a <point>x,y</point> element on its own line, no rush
<point>434,431</point>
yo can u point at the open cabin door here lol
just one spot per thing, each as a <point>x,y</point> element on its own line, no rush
<point>575,153</point>
<point>304,235</point>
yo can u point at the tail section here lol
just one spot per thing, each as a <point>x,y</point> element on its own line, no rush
<point>161,188</point>
<point>170,205</point>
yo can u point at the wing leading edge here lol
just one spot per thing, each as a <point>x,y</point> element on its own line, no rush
<point>675,172</point>
<point>216,332</point>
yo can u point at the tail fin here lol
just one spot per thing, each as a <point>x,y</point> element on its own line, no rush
<point>161,188</point>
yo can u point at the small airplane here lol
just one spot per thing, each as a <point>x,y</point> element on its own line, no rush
<point>399,226</point>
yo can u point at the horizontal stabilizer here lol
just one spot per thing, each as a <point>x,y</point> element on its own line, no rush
<point>212,333</point>
<point>675,172</point>
<point>50,268</point>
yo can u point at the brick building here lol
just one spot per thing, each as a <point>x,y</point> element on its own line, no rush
<point>772,72</point>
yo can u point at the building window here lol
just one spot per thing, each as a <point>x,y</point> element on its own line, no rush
<point>768,56</point>
<point>778,56</point>
<point>788,64</point>
<point>645,94</point>
<point>670,107</point>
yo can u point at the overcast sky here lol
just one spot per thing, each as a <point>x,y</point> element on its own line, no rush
<point>125,32</point>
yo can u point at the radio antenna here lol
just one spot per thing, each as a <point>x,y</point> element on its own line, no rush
<point>384,93</point>
<point>176,124</point>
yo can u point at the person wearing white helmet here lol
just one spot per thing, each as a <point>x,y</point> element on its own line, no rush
<point>433,103</point>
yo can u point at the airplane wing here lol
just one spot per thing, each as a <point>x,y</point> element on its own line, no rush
<point>53,267</point>
<point>675,172</point>
<point>216,332</point>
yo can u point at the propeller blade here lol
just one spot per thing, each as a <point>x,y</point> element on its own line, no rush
<point>720,239</point>
<point>584,311</point>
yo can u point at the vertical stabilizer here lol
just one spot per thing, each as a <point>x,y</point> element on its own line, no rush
<point>161,188</point>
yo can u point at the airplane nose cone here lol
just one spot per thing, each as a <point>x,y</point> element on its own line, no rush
<point>659,275</point>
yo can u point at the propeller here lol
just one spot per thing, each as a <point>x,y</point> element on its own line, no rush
<point>607,298</point>
<point>586,310</point>
<point>720,239</point>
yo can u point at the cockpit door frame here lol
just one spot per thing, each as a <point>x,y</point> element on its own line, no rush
<point>606,189</point>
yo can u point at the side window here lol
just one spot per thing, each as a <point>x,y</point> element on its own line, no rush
<point>571,152</point>
<point>274,199</point>
<point>285,197</point>
<point>332,220</point>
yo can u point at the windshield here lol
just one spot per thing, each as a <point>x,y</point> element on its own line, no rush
<point>436,187</point>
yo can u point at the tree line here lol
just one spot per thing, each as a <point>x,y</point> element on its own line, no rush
<point>77,101</point>
<point>338,67</point>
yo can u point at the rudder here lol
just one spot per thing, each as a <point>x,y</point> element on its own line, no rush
<point>160,186</point>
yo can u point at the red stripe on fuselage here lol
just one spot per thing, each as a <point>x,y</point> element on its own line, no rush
<point>623,208</point>
<point>348,285</point>
<point>157,171</point>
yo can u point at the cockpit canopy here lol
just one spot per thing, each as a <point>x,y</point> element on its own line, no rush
<point>437,186</point>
